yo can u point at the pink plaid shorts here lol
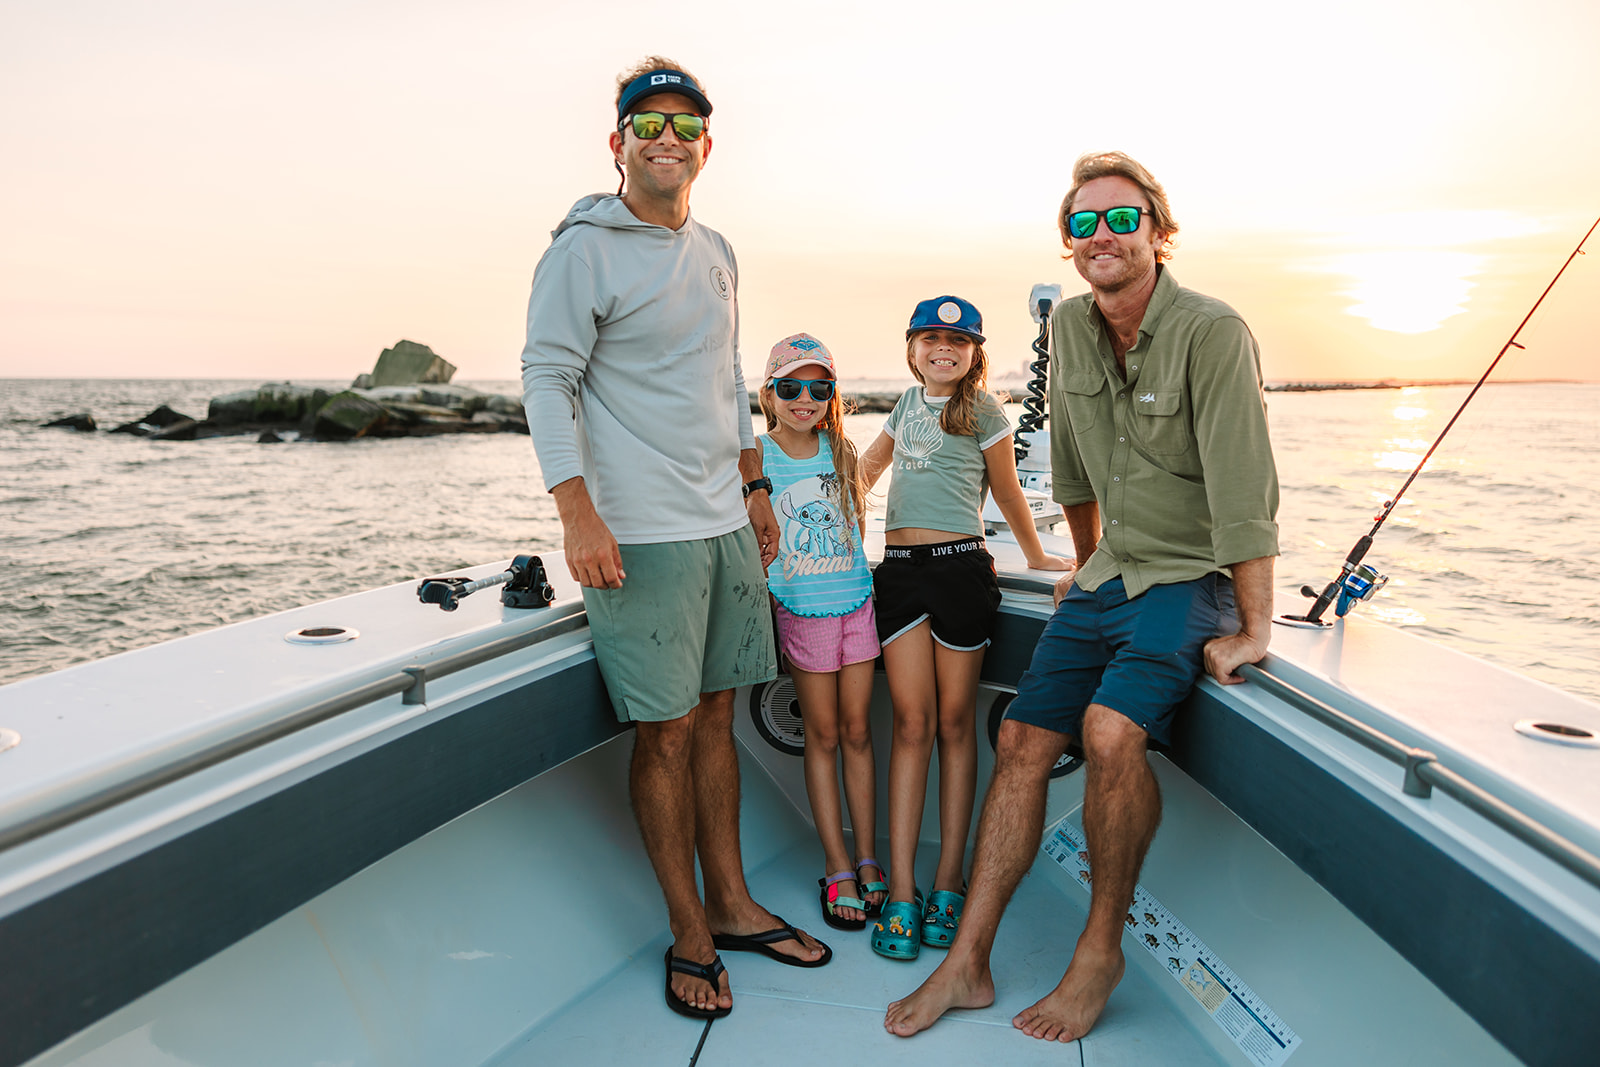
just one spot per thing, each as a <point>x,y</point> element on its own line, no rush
<point>822,646</point>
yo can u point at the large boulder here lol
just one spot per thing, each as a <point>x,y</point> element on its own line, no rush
<point>409,362</point>
<point>275,402</point>
<point>183,430</point>
<point>348,414</point>
<point>509,423</point>
<point>83,421</point>
<point>498,404</point>
<point>159,419</point>
<point>459,399</point>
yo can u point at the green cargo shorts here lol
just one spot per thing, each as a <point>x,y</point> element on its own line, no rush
<point>691,617</point>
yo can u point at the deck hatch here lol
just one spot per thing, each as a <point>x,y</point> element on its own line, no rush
<point>1557,733</point>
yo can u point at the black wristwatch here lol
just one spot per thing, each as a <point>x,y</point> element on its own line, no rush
<point>759,483</point>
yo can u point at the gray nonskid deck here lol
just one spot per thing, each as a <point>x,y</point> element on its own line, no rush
<point>834,1014</point>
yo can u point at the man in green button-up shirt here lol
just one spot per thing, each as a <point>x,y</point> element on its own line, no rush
<point>1160,456</point>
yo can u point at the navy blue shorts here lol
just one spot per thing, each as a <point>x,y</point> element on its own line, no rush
<point>1137,657</point>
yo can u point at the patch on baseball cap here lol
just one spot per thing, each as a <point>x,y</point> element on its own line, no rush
<point>947,313</point>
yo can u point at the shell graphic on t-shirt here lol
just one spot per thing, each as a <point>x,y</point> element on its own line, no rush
<point>919,435</point>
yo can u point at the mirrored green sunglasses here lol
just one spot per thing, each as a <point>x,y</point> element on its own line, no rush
<point>1081,224</point>
<point>647,125</point>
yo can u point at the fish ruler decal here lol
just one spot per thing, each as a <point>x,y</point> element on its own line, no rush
<point>1263,1037</point>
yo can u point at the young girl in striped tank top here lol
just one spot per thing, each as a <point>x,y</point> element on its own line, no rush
<point>826,629</point>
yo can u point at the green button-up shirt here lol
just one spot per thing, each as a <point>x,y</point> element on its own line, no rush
<point>1176,454</point>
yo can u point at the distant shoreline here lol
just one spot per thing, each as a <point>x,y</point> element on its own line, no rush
<point>1400,383</point>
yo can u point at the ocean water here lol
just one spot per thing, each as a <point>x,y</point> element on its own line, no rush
<point>111,542</point>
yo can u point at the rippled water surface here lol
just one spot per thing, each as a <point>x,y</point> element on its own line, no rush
<point>111,542</point>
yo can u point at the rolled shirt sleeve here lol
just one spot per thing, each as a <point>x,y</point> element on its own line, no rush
<point>1230,429</point>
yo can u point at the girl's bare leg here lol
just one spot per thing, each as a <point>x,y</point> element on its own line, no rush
<point>908,661</point>
<point>957,684</point>
<point>860,769</point>
<point>819,710</point>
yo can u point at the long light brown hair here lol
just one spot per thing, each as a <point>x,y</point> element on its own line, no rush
<point>846,463</point>
<point>959,416</point>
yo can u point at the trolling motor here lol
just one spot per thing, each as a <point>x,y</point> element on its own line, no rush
<point>1033,474</point>
<point>1356,581</point>
<point>526,586</point>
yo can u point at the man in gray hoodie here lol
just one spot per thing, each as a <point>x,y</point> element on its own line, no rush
<point>641,421</point>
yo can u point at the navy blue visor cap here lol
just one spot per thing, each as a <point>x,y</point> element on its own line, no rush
<point>947,313</point>
<point>655,82</point>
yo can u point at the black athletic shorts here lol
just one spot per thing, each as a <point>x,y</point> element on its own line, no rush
<point>952,584</point>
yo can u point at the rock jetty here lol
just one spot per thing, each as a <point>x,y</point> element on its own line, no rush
<point>407,394</point>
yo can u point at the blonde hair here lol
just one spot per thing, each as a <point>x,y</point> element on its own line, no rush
<point>1120,165</point>
<point>852,488</point>
<point>959,416</point>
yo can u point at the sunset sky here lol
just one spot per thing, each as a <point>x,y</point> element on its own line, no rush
<point>280,190</point>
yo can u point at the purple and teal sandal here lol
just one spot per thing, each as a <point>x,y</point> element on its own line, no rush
<point>898,932</point>
<point>864,888</point>
<point>832,900</point>
<point>942,917</point>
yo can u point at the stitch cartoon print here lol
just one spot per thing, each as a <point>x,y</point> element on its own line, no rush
<point>816,537</point>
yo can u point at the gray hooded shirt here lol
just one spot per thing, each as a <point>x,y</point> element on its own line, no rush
<point>631,373</point>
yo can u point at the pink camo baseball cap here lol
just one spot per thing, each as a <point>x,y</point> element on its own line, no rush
<point>798,350</point>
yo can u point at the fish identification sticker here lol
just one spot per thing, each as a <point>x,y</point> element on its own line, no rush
<point>1232,1005</point>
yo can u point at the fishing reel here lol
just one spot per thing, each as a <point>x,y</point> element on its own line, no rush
<point>1360,584</point>
<point>1356,583</point>
<point>526,586</point>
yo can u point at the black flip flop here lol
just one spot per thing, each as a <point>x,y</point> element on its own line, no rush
<point>708,972</point>
<point>764,941</point>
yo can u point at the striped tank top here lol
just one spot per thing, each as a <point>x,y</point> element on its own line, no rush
<point>821,570</point>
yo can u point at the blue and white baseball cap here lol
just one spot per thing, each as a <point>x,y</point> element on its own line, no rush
<point>661,81</point>
<point>947,313</point>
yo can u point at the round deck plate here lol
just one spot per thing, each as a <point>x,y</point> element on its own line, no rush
<point>321,635</point>
<point>1557,733</point>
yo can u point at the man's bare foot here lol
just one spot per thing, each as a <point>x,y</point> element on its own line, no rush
<point>697,992</point>
<point>1070,1009</point>
<point>754,919</point>
<point>947,987</point>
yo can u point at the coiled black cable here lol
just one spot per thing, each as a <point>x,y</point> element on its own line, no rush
<point>1033,413</point>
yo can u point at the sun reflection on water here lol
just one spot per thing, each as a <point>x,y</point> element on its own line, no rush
<point>1395,460</point>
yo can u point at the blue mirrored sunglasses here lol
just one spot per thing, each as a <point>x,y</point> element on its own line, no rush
<point>820,389</point>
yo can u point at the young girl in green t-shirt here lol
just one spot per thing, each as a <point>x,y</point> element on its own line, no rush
<point>936,598</point>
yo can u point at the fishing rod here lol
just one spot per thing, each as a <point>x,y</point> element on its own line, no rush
<point>1356,580</point>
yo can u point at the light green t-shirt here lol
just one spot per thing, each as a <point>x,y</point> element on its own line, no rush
<point>939,479</point>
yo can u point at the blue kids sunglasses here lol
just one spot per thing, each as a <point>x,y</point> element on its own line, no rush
<point>821,389</point>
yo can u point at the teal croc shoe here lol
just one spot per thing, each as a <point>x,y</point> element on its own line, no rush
<point>898,932</point>
<point>942,918</point>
